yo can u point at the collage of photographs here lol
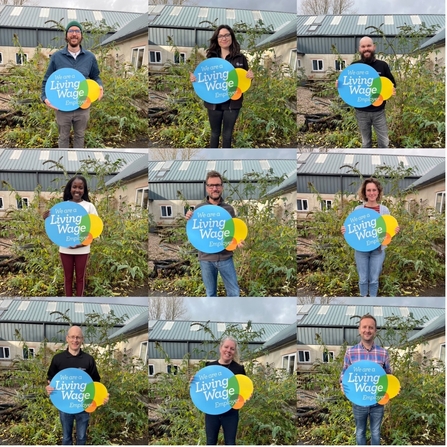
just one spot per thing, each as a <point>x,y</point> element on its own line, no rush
<point>222,222</point>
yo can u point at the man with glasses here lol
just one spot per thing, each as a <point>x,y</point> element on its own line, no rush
<point>72,56</point>
<point>73,357</point>
<point>213,263</point>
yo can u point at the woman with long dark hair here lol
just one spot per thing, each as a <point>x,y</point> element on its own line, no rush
<point>222,117</point>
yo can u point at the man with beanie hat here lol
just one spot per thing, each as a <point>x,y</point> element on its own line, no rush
<point>72,56</point>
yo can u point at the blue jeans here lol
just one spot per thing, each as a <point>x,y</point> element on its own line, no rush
<point>368,120</point>
<point>375,413</point>
<point>67,421</point>
<point>369,266</point>
<point>228,421</point>
<point>222,121</point>
<point>227,272</point>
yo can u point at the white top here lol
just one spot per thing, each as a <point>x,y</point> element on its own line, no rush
<point>85,250</point>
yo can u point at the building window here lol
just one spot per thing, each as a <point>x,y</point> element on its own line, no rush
<point>22,202</point>
<point>326,205</point>
<point>1,58</point>
<point>137,57</point>
<point>293,62</point>
<point>339,65</point>
<point>142,198</point>
<point>143,352</point>
<point>1,203</point>
<point>166,211</point>
<point>302,205</point>
<point>317,64</point>
<point>188,208</point>
<point>179,58</point>
<point>155,57</point>
<point>172,369</point>
<point>151,369</point>
<point>4,353</point>
<point>440,202</point>
<point>288,363</point>
<point>304,356</point>
<point>28,353</point>
<point>21,58</point>
<point>328,356</point>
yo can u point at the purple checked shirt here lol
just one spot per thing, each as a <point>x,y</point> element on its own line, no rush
<point>358,352</point>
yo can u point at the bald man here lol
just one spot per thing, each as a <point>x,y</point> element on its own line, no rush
<point>372,116</point>
<point>73,357</point>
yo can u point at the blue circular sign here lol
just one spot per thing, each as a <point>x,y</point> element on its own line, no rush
<point>359,85</point>
<point>66,89</point>
<point>365,229</point>
<point>71,392</point>
<point>66,225</point>
<point>364,383</point>
<point>216,80</point>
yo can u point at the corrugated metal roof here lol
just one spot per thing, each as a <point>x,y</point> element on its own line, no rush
<point>285,33</point>
<point>198,17</point>
<point>283,336</point>
<point>437,39</point>
<point>139,25</point>
<point>135,324</point>
<point>436,325</point>
<point>43,17</point>
<point>357,24</point>
<point>135,169</point>
<point>434,175</point>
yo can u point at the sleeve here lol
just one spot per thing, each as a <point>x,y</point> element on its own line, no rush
<point>93,371</point>
<point>243,370</point>
<point>245,62</point>
<point>346,364</point>
<point>53,369</point>
<point>92,209</point>
<point>388,74</point>
<point>386,363</point>
<point>50,70</point>
<point>94,71</point>
<point>384,210</point>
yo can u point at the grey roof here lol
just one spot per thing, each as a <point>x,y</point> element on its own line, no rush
<point>136,27</point>
<point>37,16</point>
<point>432,328</point>
<point>164,330</point>
<point>286,336</point>
<point>135,169</point>
<point>356,24</point>
<point>284,34</point>
<point>435,175</point>
<point>195,16</point>
<point>437,40</point>
<point>137,324</point>
<point>287,185</point>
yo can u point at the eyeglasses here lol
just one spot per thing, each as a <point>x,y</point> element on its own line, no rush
<point>224,36</point>
<point>74,31</point>
<point>214,186</point>
<point>74,337</point>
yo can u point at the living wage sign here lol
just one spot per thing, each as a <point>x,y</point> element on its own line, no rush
<point>68,90</point>
<point>75,391</point>
<point>218,81</point>
<point>211,229</point>
<point>69,224</point>
<point>366,383</point>
<point>215,390</point>
<point>367,230</point>
<point>359,85</point>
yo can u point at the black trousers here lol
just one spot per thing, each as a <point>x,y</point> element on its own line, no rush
<point>222,121</point>
<point>228,421</point>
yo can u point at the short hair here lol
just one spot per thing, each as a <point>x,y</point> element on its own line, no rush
<point>362,191</point>
<point>368,316</point>
<point>236,356</point>
<point>211,174</point>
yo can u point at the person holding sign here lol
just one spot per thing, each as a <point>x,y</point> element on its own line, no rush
<point>72,56</point>
<point>367,350</point>
<point>369,264</point>
<point>74,259</point>
<point>73,357</point>
<point>223,116</point>
<point>222,262</point>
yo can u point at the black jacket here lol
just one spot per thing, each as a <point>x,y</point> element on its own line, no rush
<point>82,361</point>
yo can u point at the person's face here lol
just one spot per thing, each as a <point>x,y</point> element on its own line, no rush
<point>214,187</point>
<point>367,49</point>
<point>74,338</point>
<point>224,38</point>
<point>367,330</point>
<point>77,190</point>
<point>371,192</point>
<point>74,36</point>
<point>227,351</point>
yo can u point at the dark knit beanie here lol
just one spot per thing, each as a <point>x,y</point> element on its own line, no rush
<point>73,23</point>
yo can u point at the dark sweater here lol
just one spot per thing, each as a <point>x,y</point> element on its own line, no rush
<point>65,360</point>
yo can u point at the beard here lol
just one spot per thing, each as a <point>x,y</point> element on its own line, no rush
<point>370,58</point>
<point>68,40</point>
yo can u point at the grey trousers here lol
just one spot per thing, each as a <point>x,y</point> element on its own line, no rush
<point>368,120</point>
<point>78,119</point>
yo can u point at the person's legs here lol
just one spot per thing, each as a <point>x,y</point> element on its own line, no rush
<point>375,422</point>
<point>228,273</point>
<point>67,427</point>
<point>64,121</point>
<point>80,121</point>
<point>80,265</point>
<point>365,127</point>
<point>81,427</point>
<point>381,128</point>
<point>230,420</point>
<point>212,426</point>
<point>68,262</point>
<point>209,277</point>
<point>361,417</point>
<point>229,120</point>
<point>362,263</point>
<point>375,268</point>
<point>215,117</point>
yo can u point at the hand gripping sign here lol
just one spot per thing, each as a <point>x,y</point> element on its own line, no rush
<point>75,391</point>
<point>218,81</point>
<point>68,90</point>
<point>211,229</point>
<point>359,85</point>
<point>215,390</point>
<point>366,383</point>
<point>69,224</point>
<point>367,230</point>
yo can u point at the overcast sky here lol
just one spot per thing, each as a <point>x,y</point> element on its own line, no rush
<point>107,5</point>
<point>401,301</point>
<point>129,300</point>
